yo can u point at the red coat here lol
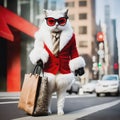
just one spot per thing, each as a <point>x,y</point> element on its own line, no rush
<point>61,62</point>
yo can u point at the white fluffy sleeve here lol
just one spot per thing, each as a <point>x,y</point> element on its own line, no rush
<point>77,63</point>
<point>38,51</point>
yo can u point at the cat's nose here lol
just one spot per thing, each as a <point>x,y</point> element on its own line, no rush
<point>56,24</point>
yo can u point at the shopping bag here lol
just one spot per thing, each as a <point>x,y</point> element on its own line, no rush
<point>41,106</point>
<point>34,94</point>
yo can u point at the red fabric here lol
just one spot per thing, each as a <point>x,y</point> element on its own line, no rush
<point>61,62</point>
<point>14,63</point>
<point>8,17</point>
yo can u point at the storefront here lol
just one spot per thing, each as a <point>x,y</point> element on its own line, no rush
<point>15,34</point>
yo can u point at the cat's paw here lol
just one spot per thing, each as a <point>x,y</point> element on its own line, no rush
<point>60,112</point>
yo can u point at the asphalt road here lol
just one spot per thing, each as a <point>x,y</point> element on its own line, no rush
<point>83,107</point>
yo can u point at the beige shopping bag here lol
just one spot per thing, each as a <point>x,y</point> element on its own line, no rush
<point>34,94</point>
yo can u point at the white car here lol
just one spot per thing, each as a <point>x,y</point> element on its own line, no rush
<point>89,87</point>
<point>110,84</point>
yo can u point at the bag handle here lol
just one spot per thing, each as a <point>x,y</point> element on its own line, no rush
<point>38,70</point>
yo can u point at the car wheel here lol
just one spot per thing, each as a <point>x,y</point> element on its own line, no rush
<point>118,93</point>
<point>97,94</point>
<point>77,91</point>
<point>107,94</point>
<point>90,92</point>
<point>70,91</point>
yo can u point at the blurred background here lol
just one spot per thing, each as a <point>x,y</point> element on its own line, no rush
<point>95,23</point>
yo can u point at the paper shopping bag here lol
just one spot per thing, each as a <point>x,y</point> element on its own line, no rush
<point>34,94</point>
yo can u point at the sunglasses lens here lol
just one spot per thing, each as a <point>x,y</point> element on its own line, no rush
<point>62,21</point>
<point>50,21</point>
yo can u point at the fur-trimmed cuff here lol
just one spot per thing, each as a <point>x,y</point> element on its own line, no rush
<point>37,54</point>
<point>76,63</point>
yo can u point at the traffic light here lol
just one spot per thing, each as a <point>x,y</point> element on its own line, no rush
<point>99,65</point>
<point>115,66</point>
<point>100,37</point>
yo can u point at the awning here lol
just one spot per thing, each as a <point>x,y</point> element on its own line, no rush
<point>7,17</point>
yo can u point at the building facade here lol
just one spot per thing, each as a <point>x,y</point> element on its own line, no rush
<point>115,61</point>
<point>82,17</point>
<point>112,42</point>
<point>14,55</point>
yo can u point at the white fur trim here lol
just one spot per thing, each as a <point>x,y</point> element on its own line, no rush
<point>76,63</point>
<point>60,81</point>
<point>63,81</point>
<point>65,37</point>
<point>37,54</point>
<point>38,51</point>
<point>45,36</point>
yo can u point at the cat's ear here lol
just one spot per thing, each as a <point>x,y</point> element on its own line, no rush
<point>66,12</point>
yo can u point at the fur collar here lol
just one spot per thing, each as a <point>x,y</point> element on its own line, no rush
<point>45,35</point>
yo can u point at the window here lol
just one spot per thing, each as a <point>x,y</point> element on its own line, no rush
<point>83,16</point>
<point>82,3</point>
<point>83,44</point>
<point>69,4</point>
<point>83,30</point>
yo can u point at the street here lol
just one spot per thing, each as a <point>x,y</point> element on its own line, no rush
<point>77,107</point>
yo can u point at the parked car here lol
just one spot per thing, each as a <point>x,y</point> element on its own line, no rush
<point>90,86</point>
<point>110,84</point>
<point>75,87</point>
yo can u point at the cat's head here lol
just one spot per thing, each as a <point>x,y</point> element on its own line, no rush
<point>56,20</point>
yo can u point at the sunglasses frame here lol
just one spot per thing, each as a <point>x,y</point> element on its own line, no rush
<point>56,20</point>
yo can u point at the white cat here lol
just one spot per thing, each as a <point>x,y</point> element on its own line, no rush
<point>60,67</point>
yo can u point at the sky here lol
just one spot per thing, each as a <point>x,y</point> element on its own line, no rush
<point>114,14</point>
<point>114,8</point>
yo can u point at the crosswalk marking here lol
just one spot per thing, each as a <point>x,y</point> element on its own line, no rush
<point>12,98</point>
<point>10,102</point>
<point>54,96</point>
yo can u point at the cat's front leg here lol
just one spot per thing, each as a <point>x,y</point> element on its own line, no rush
<point>51,89</point>
<point>60,101</point>
<point>49,103</point>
